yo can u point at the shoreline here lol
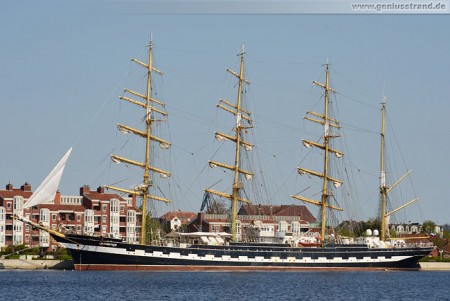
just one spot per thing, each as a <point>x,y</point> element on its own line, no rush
<point>27,264</point>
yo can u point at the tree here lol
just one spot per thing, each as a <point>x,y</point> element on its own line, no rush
<point>428,227</point>
<point>372,224</point>
<point>357,229</point>
<point>446,234</point>
<point>216,207</point>
<point>152,229</point>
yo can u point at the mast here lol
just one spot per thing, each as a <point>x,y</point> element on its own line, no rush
<point>384,189</point>
<point>327,123</point>
<point>242,118</point>
<point>149,104</point>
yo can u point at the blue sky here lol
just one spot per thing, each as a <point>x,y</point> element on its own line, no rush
<point>63,66</point>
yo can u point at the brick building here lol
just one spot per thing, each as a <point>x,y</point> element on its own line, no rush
<point>92,212</point>
<point>13,232</point>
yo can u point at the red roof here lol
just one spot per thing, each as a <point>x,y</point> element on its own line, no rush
<point>278,210</point>
<point>415,238</point>
<point>182,215</point>
<point>74,208</point>
<point>15,192</point>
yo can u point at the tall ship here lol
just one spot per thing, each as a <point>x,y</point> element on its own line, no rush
<point>205,251</point>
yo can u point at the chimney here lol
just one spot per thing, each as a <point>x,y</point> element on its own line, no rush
<point>85,190</point>
<point>134,200</point>
<point>100,189</point>
<point>9,186</point>
<point>58,198</point>
<point>26,187</point>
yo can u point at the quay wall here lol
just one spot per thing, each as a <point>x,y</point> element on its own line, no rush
<point>435,266</point>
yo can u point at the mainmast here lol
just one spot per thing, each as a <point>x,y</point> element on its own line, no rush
<point>243,121</point>
<point>150,105</point>
<point>384,189</point>
<point>327,123</point>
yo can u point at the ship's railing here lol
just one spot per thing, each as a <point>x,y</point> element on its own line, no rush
<point>255,217</point>
<point>420,245</point>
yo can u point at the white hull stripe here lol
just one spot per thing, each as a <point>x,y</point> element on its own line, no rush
<point>227,258</point>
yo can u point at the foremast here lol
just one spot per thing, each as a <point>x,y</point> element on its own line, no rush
<point>384,188</point>
<point>243,121</point>
<point>328,123</point>
<point>150,105</point>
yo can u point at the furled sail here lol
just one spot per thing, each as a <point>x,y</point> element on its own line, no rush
<point>47,190</point>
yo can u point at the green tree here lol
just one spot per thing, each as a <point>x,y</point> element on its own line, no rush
<point>439,242</point>
<point>345,232</point>
<point>372,224</point>
<point>152,229</point>
<point>446,234</point>
<point>428,227</point>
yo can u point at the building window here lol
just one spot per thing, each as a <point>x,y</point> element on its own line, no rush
<point>104,229</point>
<point>104,218</point>
<point>79,217</point>
<point>53,217</point>
<point>104,207</point>
<point>18,202</point>
<point>8,205</point>
<point>114,205</point>
<point>131,217</point>
<point>122,208</point>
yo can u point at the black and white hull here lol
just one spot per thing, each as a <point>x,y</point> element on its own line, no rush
<point>94,253</point>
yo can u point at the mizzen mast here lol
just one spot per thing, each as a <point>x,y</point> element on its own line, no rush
<point>328,123</point>
<point>384,188</point>
<point>243,121</point>
<point>152,107</point>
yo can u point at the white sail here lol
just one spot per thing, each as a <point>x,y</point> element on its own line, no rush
<point>47,190</point>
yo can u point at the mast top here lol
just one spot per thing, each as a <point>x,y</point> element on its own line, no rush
<point>242,50</point>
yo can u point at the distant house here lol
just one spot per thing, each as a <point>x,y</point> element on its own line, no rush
<point>410,228</point>
<point>414,228</point>
<point>263,221</point>
<point>299,211</point>
<point>174,220</point>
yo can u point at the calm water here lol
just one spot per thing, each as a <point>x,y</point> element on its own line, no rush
<point>72,285</point>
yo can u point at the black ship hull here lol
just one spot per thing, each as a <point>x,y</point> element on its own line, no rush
<point>95,253</point>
